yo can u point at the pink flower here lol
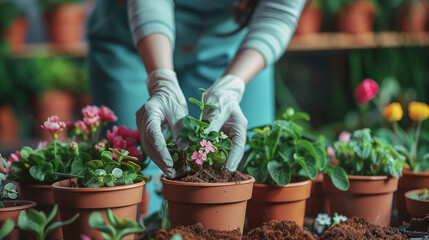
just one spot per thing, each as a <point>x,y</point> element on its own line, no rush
<point>208,146</point>
<point>107,115</point>
<point>100,146</point>
<point>69,126</point>
<point>366,91</point>
<point>134,152</point>
<point>73,145</point>
<point>345,136</point>
<point>84,237</point>
<point>331,152</point>
<point>42,145</point>
<point>199,156</point>
<point>14,157</point>
<point>54,126</point>
<point>81,126</point>
<point>91,116</point>
<point>125,138</point>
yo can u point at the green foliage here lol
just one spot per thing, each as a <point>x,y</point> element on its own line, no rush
<point>6,228</point>
<point>36,222</point>
<point>278,151</point>
<point>9,189</point>
<point>424,195</point>
<point>367,155</point>
<point>117,228</point>
<point>47,5</point>
<point>8,13</point>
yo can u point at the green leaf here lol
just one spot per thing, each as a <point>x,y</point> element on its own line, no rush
<point>192,136</point>
<point>202,90</point>
<point>100,172</point>
<point>128,231</point>
<point>338,176</point>
<point>189,124</point>
<point>55,225</point>
<point>195,101</point>
<point>308,163</point>
<point>132,175</point>
<point>111,217</point>
<point>259,173</point>
<point>202,124</point>
<point>136,168</point>
<point>226,144</point>
<point>279,172</point>
<point>117,172</point>
<point>286,127</point>
<point>176,236</point>
<point>106,156</point>
<point>300,115</point>
<point>308,146</point>
<point>6,228</point>
<point>37,173</point>
<point>27,224</point>
<point>209,106</point>
<point>96,221</point>
<point>94,164</point>
<point>321,154</point>
<point>212,135</point>
<point>25,152</point>
<point>53,213</point>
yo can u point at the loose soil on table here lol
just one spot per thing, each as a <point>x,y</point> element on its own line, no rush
<point>357,229</point>
<point>213,175</point>
<point>195,232</point>
<point>420,225</point>
<point>279,230</point>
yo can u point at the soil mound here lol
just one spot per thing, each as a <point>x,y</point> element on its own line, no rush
<point>279,230</point>
<point>419,225</point>
<point>213,175</point>
<point>195,232</point>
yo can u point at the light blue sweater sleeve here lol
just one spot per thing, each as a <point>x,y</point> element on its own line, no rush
<point>272,26</point>
<point>151,16</point>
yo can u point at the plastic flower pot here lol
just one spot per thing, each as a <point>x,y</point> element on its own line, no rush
<point>318,201</point>
<point>368,197</point>
<point>416,208</point>
<point>310,21</point>
<point>65,24</point>
<point>43,196</point>
<point>220,206</point>
<point>276,202</point>
<point>412,17</point>
<point>409,181</point>
<point>357,17</point>
<point>16,34</point>
<point>11,211</point>
<point>122,200</point>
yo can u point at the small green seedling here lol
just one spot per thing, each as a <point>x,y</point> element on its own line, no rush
<point>36,222</point>
<point>422,196</point>
<point>7,228</point>
<point>117,228</point>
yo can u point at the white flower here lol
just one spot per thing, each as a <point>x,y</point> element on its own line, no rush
<point>222,135</point>
<point>339,218</point>
<point>319,228</point>
<point>323,219</point>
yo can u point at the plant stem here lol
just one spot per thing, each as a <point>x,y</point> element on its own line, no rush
<point>55,148</point>
<point>414,152</point>
<point>202,107</point>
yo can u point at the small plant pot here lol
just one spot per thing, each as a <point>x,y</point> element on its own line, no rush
<point>44,197</point>
<point>412,17</point>
<point>318,201</point>
<point>368,197</point>
<point>275,202</point>
<point>16,34</point>
<point>11,211</point>
<point>65,24</point>
<point>357,17</point>
<point>416,208</point>
<point>409,181</point>
<point>310,21</point>
<point>220,206</point>
<point>122,200</point>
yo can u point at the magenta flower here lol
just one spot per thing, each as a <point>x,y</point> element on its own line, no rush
<point>81,127</point>
<point>345,136</point>
<point>125,138</point>
<point>54,126</point>
<point>331,152</point>
<point>100,146</point>
<point>42,145</point>
<point>366,91</point>
<point>91,116</point>
<point>107,115</point>
<point>208,146</point>
<point>199,156</point>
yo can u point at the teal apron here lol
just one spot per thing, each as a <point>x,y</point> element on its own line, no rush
<point>201,55</point>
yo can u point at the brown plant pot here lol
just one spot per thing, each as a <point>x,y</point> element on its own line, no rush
<point>357,17</point>
<point>416,208</point>
<point>16,34</point>
<point>220,206</point>
<point>318,201</point>
<point>275,202</point>
<point>409,181</point>
<point>412,17</point>
<point>11,211</point>
<point>310,21</point>
<point>9,134</point>
<point>44,197</point>
<point>65,24</point>
<point>122,200</point>
<point>368,197</point>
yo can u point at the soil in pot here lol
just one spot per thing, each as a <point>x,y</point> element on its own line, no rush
<point>214,175</point>
<point>195,231</point>
<point>279,230</point>
<point>357,228</point>
<point>12,210</point>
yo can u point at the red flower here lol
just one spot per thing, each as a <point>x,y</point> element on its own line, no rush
<point>126,139</point>
<point>14,157</point>
<point>91,116</point>
<point>366,91</point>
<point>107,115</point>
<point>81,127</point>
<point>54,126</point>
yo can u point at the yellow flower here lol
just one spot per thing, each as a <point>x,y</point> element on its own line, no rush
<point>418,111</point>
<point>393,112</point>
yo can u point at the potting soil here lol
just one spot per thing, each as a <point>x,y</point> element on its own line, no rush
<point>419,225</point>
<point>279,230</point>
<point>213,175</point>
<point>196,232</point>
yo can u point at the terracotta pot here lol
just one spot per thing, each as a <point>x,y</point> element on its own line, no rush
<point>409,181</point>
<point>11,211</point>
<point>219,206</point>
<point>65,24</point>
<point>44,197</point>
<point>368,197</point>
<point>416,208</point>
<point>275,202</point>
<point>16,34</point>
<point>123,201</point>
<point>311,19</point>
<point>357,17</point>
<point>9,134</point>
<point>412,17</point>
<point>318,201</point>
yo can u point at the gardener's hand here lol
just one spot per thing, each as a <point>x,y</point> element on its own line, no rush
<point>166,106</point>
<point>226,94</point>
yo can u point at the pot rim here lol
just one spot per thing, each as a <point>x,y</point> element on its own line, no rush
<point>294,184</point>
<point>419,174</point>
<point>369,178</point>
<point>55,187</point>
<point>416,191</point>
<point>47,186</point>
<point>26,204</point>
<point>193,184</point>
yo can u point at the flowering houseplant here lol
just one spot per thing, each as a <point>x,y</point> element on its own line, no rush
<point>280,150</point>
<point>323,221</point>
<point>8,190</point>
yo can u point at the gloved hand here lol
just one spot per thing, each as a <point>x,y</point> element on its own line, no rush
<point>226,94</point>
<point>166,106</point>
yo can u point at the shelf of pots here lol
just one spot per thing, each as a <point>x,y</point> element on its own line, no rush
<point>284,162</point>
<point>86,173</point>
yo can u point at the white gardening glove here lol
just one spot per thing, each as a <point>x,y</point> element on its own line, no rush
<point>226,94</point>
<point>166,106</point>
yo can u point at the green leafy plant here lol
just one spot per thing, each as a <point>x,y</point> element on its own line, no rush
<point>368,156</point>
<point>6,228</point>
<point>424,195</point>
<point>47,5</point>
<point>279,151</point>
<point>9,190</point>
<point>205,149</point>
<point>36,222</point>
<point>117,228</point>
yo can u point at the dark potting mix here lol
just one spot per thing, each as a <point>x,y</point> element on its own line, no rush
<point>214,175</point>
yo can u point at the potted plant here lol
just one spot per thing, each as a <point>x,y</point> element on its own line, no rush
<point>412,16</point>
<point>13,26</point>
<point>310,20</point>
<point>373,169</point>
<point>417,202</point>
<point>356,16</point>
<point>64,21</point>
<point>283,162</point>
<point>218,203</point>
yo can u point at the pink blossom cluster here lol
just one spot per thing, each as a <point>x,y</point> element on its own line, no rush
<point>14,157</point>
<point>201,155</point>
<point>93,115</point>
<point>366,91</point>
<point>54,126</point>
<point>125,138</point>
